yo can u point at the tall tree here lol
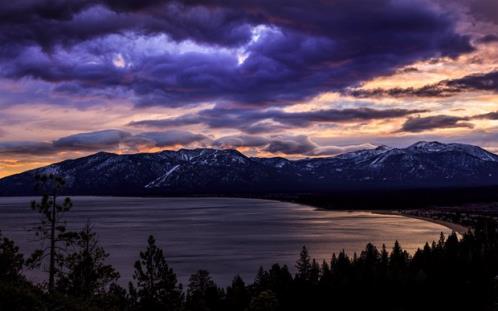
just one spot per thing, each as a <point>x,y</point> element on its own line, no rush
<point>202,293</point>
<point>399,258</point>
<point>86,273</point>
<point>156,286</point>
<point>237,296</point>
<point>315,272</point>
<point>52,227</point>
<point>303,265</point>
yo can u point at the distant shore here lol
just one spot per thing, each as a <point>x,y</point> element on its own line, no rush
<point>460,229</point>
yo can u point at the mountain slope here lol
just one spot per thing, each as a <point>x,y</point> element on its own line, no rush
<point>211,171</point>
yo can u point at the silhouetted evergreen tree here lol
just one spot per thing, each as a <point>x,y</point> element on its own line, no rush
<point>303,265</point>
<point>237,295</point>
<point>315,272</point>
<point>11,260</point>
<point>398,260</point>
<point>203,294</point>
<point>85,273</point>
<point>15,292</point>
<point>52,227</point>
<point>262,280</point>
<point>156,285</point>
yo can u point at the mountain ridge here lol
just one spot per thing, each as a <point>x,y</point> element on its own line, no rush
<point>225,171</point>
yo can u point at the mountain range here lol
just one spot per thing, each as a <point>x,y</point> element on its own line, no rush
<point>227,171</point>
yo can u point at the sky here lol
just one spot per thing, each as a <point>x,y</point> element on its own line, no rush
<point>285,78</point>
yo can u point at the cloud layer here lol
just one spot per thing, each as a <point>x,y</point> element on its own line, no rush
<point>251,121</point>
<point>109,140</point>
<point>119,141</point>
<point>251,53</point>
<point>475,82</point>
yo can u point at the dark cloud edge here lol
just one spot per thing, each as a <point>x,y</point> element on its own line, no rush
<point>446,88</point>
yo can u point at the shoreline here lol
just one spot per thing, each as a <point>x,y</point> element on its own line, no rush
<point>460,229</point>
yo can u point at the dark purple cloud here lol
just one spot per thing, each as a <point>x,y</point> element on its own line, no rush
<point>475,82</point>
<point>303,145</point>
<point>106,140</point>
<point>487,116</point>
<point>255,121</point>
<point>48,23</point>
<point>487,39</point>
<point>112,140</point>
<point>26,148</point>
<point>101,140</point>
<point>421,124</point>
<point>291,145</point>
<point>166,138</point>
<point>306,47</point>
<point>235,141</point>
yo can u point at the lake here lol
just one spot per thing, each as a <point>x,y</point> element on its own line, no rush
<point>226,236</point>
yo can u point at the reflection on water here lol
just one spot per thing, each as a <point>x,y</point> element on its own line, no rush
<point>223,235</point>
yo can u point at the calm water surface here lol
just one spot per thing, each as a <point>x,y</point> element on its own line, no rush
<point>226,236</point>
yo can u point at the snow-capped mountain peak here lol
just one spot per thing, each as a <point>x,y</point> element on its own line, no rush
<point>217,171</point>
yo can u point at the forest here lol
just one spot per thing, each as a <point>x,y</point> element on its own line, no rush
<point>453,273</point>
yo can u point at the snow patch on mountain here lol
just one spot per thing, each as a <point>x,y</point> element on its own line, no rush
<point>160,181</point>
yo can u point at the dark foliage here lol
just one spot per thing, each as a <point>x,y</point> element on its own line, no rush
<point>85,273</point>
<point>203,294</point>
<point>51,229</point>
<point>450,274</point>
<point>156,285</point>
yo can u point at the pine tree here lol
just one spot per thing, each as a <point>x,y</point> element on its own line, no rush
<point>383,262</point>
<point>237,296</point>
<point>303,265</point>
<point>315,272</point>
<point>451,245</point>
<point>156,284</point>
<point>52,226</point>
<point>384,256</point>
<point>279,279</point>
<point>326,273</point>
<point>11,260</point>
<point>262,280</point>
<point>369,259</point>
<point>202,293</point>
<point>398,260</point>
<point>86,273</point>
